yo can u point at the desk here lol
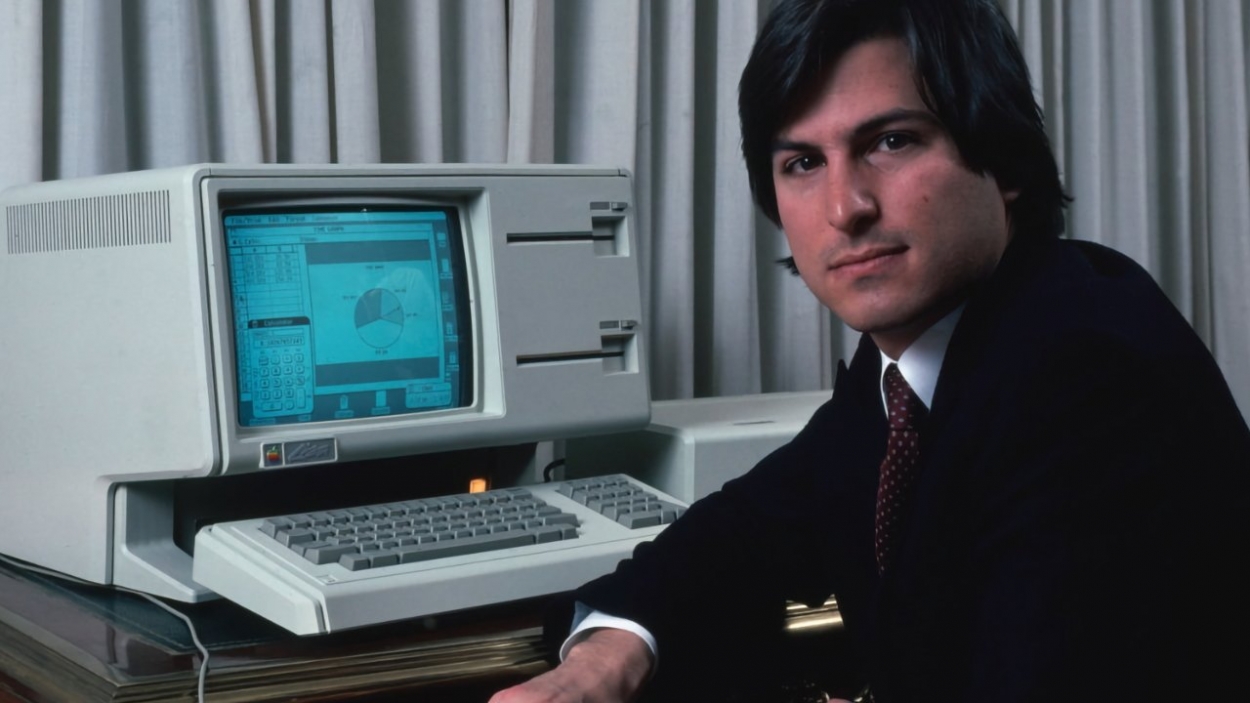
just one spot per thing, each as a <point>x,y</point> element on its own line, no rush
<point>61,641</point>
<point>67,642</point>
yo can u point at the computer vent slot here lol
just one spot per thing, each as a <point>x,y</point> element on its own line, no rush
<point>89,223</point>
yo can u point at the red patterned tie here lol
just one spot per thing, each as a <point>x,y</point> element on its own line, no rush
<point>899,468</point>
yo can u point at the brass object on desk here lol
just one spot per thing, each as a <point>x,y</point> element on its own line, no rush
<point>824,617</point>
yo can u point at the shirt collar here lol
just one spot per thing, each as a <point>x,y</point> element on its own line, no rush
<point>921,362</point>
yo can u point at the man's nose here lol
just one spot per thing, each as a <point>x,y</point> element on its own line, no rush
<point>850,203</point>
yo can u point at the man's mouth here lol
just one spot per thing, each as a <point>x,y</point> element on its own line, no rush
<point>866,258</point>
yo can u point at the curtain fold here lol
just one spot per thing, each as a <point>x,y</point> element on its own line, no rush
<point>239,82</point>
<point>730,362</point>
<point>85,112</point>
<point>21,91</point>
<point>531,84</point>
<point>304,84</point>
<point>1228,180</point>
<point>165,121</point>
<point>410,82</point>
<point>477,38</point>
<point>665,190</point>
<point>1146,105</point>
<point>596,82</point>
<point>355,82</point>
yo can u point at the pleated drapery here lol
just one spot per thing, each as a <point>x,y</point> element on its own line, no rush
<point>1146,104</point>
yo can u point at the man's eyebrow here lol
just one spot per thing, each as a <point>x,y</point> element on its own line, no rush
<point>898,114</point>
<point>780,144</point>
<point>864,129</point>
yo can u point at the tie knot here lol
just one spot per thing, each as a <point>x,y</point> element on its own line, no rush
<point>905,409</point>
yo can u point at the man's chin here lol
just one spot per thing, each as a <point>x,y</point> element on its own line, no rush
<point>891,334</point>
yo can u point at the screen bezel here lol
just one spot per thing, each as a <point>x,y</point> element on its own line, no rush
<point>244,448</point>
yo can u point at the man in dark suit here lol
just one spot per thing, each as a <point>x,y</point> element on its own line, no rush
<point>1030,483</point>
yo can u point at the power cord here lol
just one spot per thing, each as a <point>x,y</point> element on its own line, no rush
<point>203,673</point>
<point>549,470</point>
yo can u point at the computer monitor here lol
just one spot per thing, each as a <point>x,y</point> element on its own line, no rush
<point>216,320</point>
<point>343,312</point>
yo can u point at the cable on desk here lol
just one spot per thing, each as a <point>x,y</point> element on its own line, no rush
<point>203,673</point>
<point>199,688</point>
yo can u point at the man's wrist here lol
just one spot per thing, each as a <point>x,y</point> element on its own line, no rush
<point>623,659</point>
<point>586,620</point>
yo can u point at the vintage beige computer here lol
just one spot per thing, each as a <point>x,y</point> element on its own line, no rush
<point>221,338</point>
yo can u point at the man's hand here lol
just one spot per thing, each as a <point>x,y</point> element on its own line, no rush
<point>608,666</point>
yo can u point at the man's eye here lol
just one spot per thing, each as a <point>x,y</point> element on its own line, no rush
<point>894,141</point>
<point>800,164</point>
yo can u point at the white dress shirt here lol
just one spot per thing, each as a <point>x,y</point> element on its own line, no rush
<point>921,363</point>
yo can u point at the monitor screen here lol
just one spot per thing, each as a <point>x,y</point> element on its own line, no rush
<point>343,312</point>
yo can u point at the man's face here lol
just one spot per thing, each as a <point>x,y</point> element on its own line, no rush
<point>886,225</point>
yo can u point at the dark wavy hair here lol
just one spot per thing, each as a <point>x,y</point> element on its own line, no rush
<point>968,69</point>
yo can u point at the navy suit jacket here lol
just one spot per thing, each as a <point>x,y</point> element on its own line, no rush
<point>1078,528</point>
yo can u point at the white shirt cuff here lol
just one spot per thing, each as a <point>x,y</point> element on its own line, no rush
<point>586,619</point>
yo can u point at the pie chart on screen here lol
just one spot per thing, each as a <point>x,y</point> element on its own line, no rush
<point>379,318</point>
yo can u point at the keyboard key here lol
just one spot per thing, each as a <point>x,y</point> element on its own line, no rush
<point>383,559</point>
<point>329,553</point>
<point>354,562</point>
<point>616,511</point>
<point>549,533</point>
<point>271,526</point>
<point>637,520</point>
<point>295,536</point>
<point>301,548</point>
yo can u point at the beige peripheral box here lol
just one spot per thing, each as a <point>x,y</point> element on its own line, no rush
<point>693,446</point>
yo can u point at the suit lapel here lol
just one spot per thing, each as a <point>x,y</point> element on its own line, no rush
<point>961,416</point>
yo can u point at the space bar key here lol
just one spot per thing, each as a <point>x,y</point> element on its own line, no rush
<point>464,545</point>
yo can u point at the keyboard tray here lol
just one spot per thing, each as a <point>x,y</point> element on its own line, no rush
<point>406,573</point>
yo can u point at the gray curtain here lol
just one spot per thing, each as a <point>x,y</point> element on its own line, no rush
<point>1146,101</point>
<point>1146,104</point>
